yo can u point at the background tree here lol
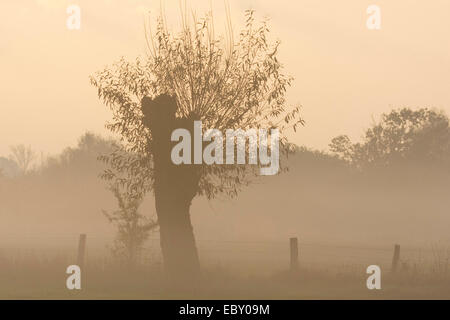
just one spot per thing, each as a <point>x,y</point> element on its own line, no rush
<point>90,146</point>
<point>404,135</point>
<point>133,229</point>
<point>191,76</point>
<point>24,156</point>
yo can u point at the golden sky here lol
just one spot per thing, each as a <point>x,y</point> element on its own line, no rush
<point>346,74</point>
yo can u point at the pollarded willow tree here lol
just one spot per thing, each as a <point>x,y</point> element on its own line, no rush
<point>188,76</point>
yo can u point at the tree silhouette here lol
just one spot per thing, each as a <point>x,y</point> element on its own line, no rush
<point>23,156</point>
<point>132,227</point>
<point>421,136</point>
<point>191,76</point>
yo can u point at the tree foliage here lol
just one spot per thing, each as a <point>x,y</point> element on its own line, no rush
<point>224,83</point>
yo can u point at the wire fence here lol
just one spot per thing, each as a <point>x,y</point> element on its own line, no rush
<point>252,257</point>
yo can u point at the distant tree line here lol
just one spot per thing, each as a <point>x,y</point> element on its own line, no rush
<point>402,137</point>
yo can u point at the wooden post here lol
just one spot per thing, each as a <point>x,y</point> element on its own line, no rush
<point>294,253</point>
<point>396,257</point>
<point>81,251</point>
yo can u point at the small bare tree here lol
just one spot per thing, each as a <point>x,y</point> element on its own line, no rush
<point>23,156</point>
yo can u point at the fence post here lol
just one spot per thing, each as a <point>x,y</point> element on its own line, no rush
<point>81,251</point>
<point>294,253</point>
<point>396,257</point>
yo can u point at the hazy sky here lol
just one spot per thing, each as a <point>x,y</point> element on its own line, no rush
<point>345,74</point>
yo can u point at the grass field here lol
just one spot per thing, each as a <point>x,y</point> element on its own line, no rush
<point>231,270</point>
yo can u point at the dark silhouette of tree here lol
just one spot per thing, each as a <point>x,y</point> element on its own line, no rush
<point>186,77</point>
<point>402,136</point>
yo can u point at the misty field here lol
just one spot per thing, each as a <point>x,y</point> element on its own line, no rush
<point>345,220</point>
<point>232,270</point>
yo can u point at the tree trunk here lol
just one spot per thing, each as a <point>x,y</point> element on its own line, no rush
<point>174,186</point>
<point>177,238</point>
